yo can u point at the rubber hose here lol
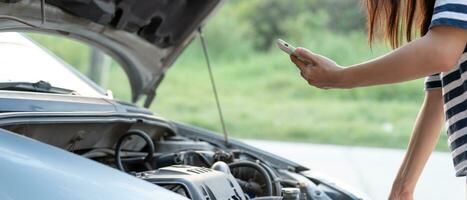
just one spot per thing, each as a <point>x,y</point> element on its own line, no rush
<point>258,168</point>
<point>275,178</point>
<point>121,140</point>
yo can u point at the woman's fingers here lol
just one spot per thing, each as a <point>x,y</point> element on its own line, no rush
<point>317,70</point>
<point>307,55</point>
<point>300,64</point>
<point>305,69</point>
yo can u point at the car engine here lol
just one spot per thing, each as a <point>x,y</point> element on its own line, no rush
<point>195,182</point>
<point>196,174</point>
<point>185,161</point>
<point>200,171</point>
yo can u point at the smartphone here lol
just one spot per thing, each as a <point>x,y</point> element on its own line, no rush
<point>286,47</point>
<point>289,49</point>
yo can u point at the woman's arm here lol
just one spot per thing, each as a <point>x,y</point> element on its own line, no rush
<point>439,50</point>
<point>424,138</point>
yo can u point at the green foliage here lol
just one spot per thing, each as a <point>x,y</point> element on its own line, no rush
<point>228,37</point>
<point>267,18</point>
<point>271,19</point>
<point>344,16</point>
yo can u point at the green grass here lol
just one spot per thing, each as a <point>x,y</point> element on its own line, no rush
<point>264,97</point>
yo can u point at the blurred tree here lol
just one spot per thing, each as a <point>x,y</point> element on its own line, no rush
<point>270,19</point>
<point>267,18</point>
<point>227,35</point>
<point>344,15</point>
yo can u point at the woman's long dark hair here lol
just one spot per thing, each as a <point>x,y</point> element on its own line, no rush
<point>398,20</point>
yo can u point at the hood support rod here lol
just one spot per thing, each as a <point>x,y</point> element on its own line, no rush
<point>43,12</point>
<point>214,88</point>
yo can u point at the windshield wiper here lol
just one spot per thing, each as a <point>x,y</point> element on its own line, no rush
<point>40,86</point>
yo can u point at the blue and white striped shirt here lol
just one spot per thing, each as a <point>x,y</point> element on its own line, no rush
<point>453,83</point>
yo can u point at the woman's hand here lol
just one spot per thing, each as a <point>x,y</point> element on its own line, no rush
<point>438,51</point>
<point>318,70</point>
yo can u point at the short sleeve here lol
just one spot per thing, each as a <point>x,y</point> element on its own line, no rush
<point>433,82</point>
<point>450,13</point>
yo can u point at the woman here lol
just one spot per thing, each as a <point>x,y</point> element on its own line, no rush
<point>440,54</point>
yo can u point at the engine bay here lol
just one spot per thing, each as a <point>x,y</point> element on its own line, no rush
<point>198,170</point>
<point>183,159</point>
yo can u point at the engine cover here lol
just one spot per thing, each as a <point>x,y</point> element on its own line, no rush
<point>196,183</point>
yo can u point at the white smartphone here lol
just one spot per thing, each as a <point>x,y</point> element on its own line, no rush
<point>286,47</point>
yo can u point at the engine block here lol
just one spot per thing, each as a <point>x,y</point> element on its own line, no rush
<point>196,183</point>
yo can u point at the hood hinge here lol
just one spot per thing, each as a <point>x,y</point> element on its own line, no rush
<point>151,95</point>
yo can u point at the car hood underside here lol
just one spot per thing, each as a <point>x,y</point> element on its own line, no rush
<point>145,37</point>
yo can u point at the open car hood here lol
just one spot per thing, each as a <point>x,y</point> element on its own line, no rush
<point>145,37</point>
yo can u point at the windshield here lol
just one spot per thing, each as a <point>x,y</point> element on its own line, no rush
<point>24,61</point>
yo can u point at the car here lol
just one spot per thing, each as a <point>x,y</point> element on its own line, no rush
<point>62,136</point>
